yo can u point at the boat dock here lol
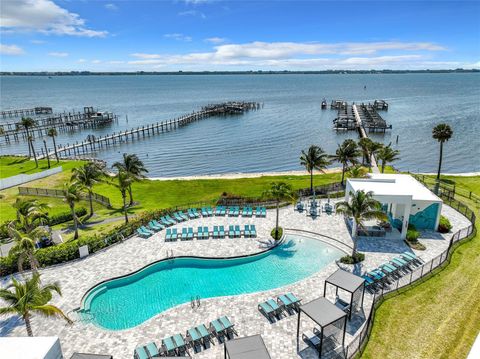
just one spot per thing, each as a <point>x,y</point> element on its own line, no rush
<point>93,143</point>
<point>26,112</point>
<point>369,118</point>
<point>62,122</point>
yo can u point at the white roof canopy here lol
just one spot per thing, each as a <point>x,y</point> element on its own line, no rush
<point>397,185</point>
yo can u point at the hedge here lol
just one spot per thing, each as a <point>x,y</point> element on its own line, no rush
<point>68,251</point>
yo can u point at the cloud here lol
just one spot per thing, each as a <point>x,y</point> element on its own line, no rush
<point>115,62</point>
<point>178,37</point>
<point>215,40</point>
<point>43,16</point>
<point>96,61</point>
<point>58,54</point>
<point>13,50</point>
<point>81,60</point>
<point>193,13</point>
<point>111,7</point>
<point>198,2</point>
<point>37,42</point>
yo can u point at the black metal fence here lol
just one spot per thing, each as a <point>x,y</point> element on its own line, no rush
<point>421,271</point>
<point>48,192</point>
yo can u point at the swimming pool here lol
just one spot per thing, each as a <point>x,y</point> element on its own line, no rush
<point>128,301</point>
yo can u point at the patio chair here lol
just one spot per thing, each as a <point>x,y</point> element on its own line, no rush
<point>183,215</point>
<point>169,345</point>
<point>215,231</point>
<point>267,311</point>
<point>340,303</point>
<point>216,328</point>
<point>177,217</point>
<point>195,213</point>
<point>295,301</point>
<point>193,337</point>
<point>206,233</point>
<point>231,231</point>
<point>299,206</point>
<point>205,334</point>
<point>146,230</point>
<point>221,232</point>
<point>253,231</point>
<point>413,257</point>
<point>168,235</point>
<point>204,212</point>
<point>170,219</point>
<point>165,222</point>
<point>190,233</point>
<point>184,234</point>
<point>220,211</point>
<point>199,232</point>
<point>231,211</point>
<point>209,211</point>
<point>401,264</point>
<point>286,303</point>
<point>311,339</point>
<point>153,226</point>
<point>180,343</point>
<point>246,231</point>
<point>229,327</point>
<point>174,234</point>
<point>238,233</point>
<point>147,351</point>
<point>154,221</point>
<point>142,233</point>
<point>191,215</point>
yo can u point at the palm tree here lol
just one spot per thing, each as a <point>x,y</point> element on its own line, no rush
<point>346,153</point>
<point>361,207</point>
<point>27,123</point>
<point>387,155</point>
<point>46,152</point>
<point>134,167</point>
<point>124,182</point>
<point>30,139</point>
<point>279,191</point>
<point>29,211</point>
<point>29,297</point>
<point>314,159</point>
<point>357,171</point>
<point>24,246</point>
<point>441,132</point>
<point>87,176</point>
<point>72,192</point>
<point>53,133</point>
<point>365,145</point>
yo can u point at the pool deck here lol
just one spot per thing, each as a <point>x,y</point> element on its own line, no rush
<point>77,277</point>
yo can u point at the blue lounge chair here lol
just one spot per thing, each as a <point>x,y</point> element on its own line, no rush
<point>206,233</point>
<point>174,234</point>
<point>253,231</point>
<point>190,233</point>
<point>169,345</point>
<point>219,211</point>
<point>269,311</point>
<point>190,213</point>
<point>146,230</point>
<point>170,219</point>
<point>221,232</point>
<point>216,328</point>
<point>245,211</point>
<point>184,234</point>
<point>227,324</point>
<point>215,231</point>
<point>195,212</point>
<point>412,256</point>
<point>140,353</point>
<point>295,301</point>
<point>155,222</point>
<point>401,265</point>
<point>165,222</point>
<point>299,207</point>
<point>199,232</point>
<point>153,226</point>
<point>183,215</point>
<point>177,217</point>
<point>193,337</point>
<point>180,343</point>
<point>204,212</point>
<point>168,235</point>
<point>142,233</point>
<point>238,233</point>
<point>246,231</point>
<point>274,305</point>
<point>231,231</point>
<point>209,211</point>
<point>204,333</point>
<point>231,211</point>
<point>285,302</point>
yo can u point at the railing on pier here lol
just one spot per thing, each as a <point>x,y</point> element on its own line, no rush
<point>26,111</point>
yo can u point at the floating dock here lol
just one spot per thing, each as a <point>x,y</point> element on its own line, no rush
<point>93,143</point>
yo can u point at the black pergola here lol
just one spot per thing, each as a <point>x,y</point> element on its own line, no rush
<point>350,283</point>
<point>251,347</point>
<point>332,322</point>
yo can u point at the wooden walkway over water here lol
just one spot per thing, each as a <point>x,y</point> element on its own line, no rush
<point>26,112</point>
<point>370,119</point>
<point>93,143</point>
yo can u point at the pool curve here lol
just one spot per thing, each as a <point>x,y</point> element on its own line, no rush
<point>128,301</point>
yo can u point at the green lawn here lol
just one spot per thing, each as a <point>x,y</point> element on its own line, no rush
<point>11,166</point>
<point>439,318</point>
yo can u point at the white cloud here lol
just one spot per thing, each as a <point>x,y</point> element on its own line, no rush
<point>115,62</point>
<point>111,7</point>
<point>197,2</point>
<point>81,60</point>
<point>11,50</point>
<point>58,54</point>
<point>215,40</point>
<point>43,16</point>
<point>178,37</point>
<point>193,13</point>
<point>96,61</point>
<point>37,42</point>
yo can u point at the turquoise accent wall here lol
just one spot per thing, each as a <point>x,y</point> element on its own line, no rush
<point>425,219</point>
<point>395,222</point>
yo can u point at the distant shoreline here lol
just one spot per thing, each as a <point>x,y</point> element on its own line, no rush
<point>258,72</point>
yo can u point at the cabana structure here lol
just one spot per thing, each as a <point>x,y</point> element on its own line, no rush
<point>251,347</point>
<point>350,283</point>
<point>404,200</point>
<point>332,322</point>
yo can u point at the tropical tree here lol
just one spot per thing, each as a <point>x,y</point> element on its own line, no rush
<point>132,166</point>
<point>442,133</point>
<point>46,152</point>
<point>124,181</point>
<point>279,191</point>
<point>30,297</point>
<point>357,171</point>
<point>72,192</point>
<point>30,212</point>
<point>87,176</point>
<point>315,158</point>
<point>387,155</point>
<point>53,133</point>
<point>24,246</point>
<point>360,207</point>
<point>345,154</point>
<point>365,145</point>
<point>27,123</point>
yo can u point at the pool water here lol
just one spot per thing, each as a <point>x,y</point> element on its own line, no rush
<point>129,301</point>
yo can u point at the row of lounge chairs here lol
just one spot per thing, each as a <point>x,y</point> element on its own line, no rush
<point>274,308</point>
<point>178,344</point>
<point>172,234</point>
<point>387,273</point>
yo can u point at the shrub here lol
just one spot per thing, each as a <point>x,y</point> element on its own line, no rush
<point>280,233</point>
<point>66,216</point>
<point>444,225</point>
<point>412,235</point>
<point>356,258</point>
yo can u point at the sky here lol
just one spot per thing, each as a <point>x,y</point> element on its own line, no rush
<point>215,35</point>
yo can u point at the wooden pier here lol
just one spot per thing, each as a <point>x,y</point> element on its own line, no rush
<point>26,112</point>
<point>93,143</point>
<point>62,122</point>
<point>369,118</point>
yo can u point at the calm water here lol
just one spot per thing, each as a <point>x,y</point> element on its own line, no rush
<point>265,140</point>
<point>129,301</point>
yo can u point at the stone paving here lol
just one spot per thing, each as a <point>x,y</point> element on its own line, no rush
<point>77,277</point>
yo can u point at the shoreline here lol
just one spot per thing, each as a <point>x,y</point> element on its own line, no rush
<point>237,175</point>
